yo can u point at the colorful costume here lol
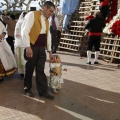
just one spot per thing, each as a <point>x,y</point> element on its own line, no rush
<point>55,75</point>
<point>7,61</point>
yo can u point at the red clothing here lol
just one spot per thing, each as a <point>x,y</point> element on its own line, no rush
<point>104,3</point>
<point>94,34</point>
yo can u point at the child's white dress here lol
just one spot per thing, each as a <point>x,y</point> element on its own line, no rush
<point>55,75</point>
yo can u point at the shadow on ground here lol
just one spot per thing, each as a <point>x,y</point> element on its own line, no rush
<point>74,102</point>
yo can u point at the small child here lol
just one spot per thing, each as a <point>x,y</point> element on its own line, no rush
<point>56,74</point>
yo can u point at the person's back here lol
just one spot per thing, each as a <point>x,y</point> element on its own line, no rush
<point>96,25</point>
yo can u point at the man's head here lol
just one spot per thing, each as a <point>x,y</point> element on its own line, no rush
<point>12,17</point>
<point>98,14</point>
<point>48,9</point>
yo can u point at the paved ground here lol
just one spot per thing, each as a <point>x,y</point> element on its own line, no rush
<point>88,93</point>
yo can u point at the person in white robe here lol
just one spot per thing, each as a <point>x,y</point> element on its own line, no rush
<point>19,50</point>
<point>7,60</point>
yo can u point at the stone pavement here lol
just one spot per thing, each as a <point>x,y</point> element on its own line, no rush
<point>89,92</point>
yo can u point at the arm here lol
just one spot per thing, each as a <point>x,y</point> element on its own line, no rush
<point>87,26</point>
<point>49,45</point>
<point>25,30</point>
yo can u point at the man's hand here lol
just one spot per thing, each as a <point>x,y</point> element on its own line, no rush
<point>29,52</point>
<point>51,56</point>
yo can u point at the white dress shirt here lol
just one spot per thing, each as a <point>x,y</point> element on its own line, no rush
<point>26,27</point>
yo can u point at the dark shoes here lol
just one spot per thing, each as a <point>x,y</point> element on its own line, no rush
<point>96,62</point>
<point>1,79</point>
<point>29,93</point>
<point>48,96</point>
<point>89,63</point>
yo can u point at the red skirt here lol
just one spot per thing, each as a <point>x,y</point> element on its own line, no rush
<point>4,73</point>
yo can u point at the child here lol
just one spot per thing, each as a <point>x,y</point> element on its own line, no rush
<point>56,74</point>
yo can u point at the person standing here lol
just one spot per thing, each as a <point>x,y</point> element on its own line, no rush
<point>19,50</point>
<point>7,61</point>
<point>36,38</point>
<point>95,27</point>
<point>54,25</point>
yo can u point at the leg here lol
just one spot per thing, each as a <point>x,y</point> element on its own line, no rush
<point>41,79</point>
<point>89,49</point>
<point>58,37</point>
<point>29,68</point>
<point>97,48</point>
<point>66,22</point>
<point>54,40</point>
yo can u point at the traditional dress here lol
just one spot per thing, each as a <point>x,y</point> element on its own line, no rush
<point>55,76</point>
<point>7,61</point>
<point>19,50</point>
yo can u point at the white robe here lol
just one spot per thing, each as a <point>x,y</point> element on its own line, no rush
<point>6,55</point>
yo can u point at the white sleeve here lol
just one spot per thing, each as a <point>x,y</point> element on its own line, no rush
<point>26,27</point>
<point>49,40</point>
<point>4,30</point>
<point>57,22</point>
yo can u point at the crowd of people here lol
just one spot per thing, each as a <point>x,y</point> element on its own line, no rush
<point>23,45</point>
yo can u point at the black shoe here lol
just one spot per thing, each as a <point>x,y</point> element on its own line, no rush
<point>21,75</point>
<point>48,96</point>
<point>29,93</point>
<point>89,63</point>
<point>1,79</point>
<point>96,62</point>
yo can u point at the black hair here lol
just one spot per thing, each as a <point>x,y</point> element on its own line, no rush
<point>12,16</point>
<point>24,13</point>
<point>49,4</point>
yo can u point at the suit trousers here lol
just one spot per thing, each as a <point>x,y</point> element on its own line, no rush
<point>37,62</point>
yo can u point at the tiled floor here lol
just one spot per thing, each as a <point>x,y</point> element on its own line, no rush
<point>88,93</point>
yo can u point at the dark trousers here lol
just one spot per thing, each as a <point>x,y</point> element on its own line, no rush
<point>10,41</point>
<point>94,41</point>
<point>37,62</point>
<point>54,39</point>
<point>58,37</point>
